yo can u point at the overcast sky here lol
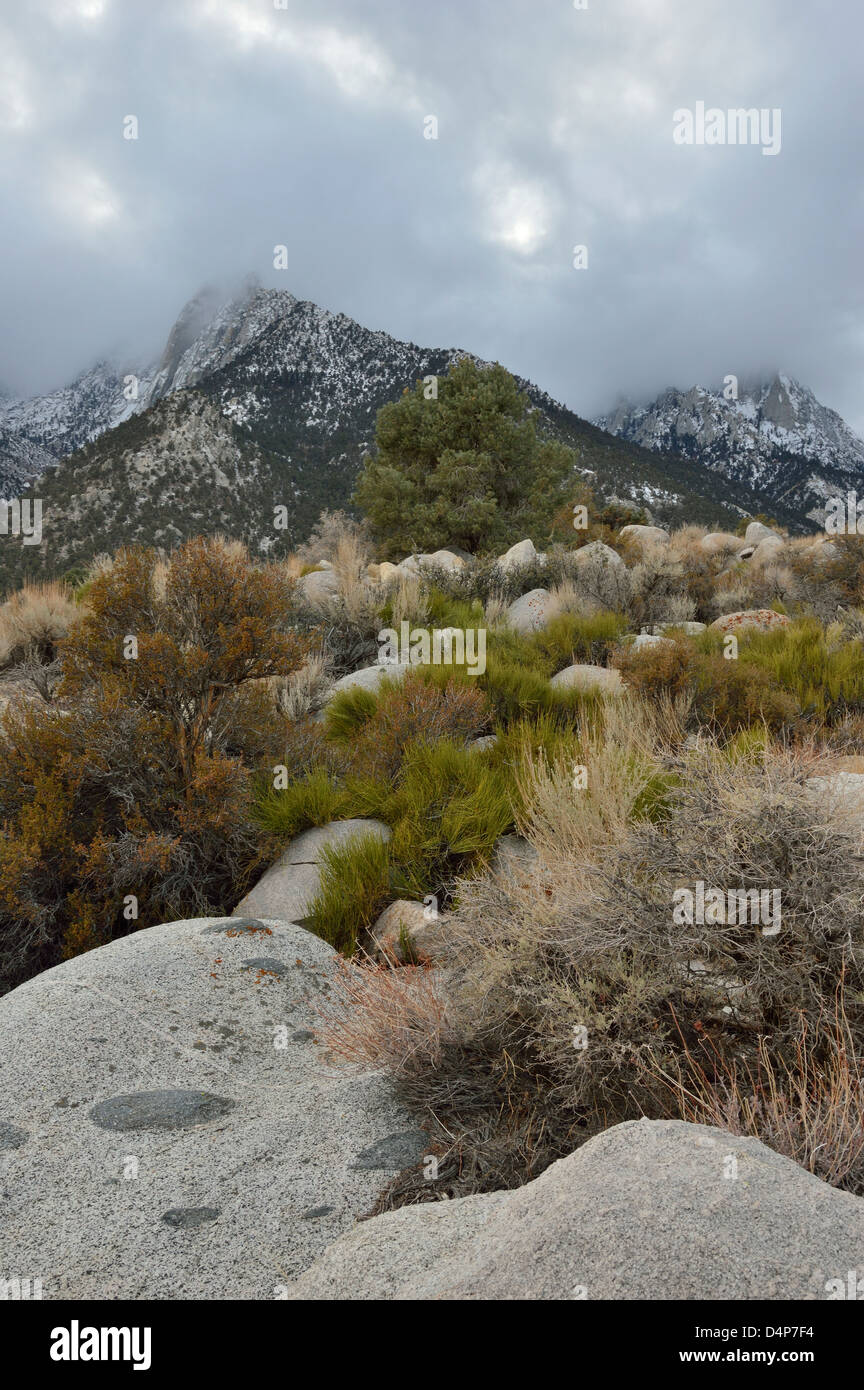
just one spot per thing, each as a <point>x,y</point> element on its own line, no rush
<point>304,126</point>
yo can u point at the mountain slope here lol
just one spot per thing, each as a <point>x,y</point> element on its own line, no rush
<point>64,420</point>
<point>270,401</point>
<point>20,461</point>
<point>776,439</point>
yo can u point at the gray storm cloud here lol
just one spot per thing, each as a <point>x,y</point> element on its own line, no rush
<point>304,126</point>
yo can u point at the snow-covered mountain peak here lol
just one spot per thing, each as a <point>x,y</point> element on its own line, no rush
<point>210,331</point>
<point>741,433</point>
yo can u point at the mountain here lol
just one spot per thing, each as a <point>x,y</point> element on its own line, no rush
<point>775,438</point>
<point>262,401</point>
<point>64,420</point>
<point>20,461</point>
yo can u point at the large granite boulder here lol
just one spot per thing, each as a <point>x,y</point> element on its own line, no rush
<point>405,923</point>
<point>644,536</point>
<point>645,640</point>
<point>443,559</point>
<point>595,553</point>
<point>532,611</point>
<point>650,1209</point>
<point>764,619</point>
<point>757,531</point>
<point>319,587</point>
<point>518,556</point>
<point>722,543</point>
<point>369,677</point>
<point>605,680</point>
<point>169,1127</point>
<point>767,550</point>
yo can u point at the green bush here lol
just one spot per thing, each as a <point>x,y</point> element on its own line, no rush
<point>354,890</point>
<point>824,681</point>
<point>348,711</point>
<point>574,637</point>
<point>313,800</point>
<point>727,695</point>
<point>447,810</point>
<point>416,711</point>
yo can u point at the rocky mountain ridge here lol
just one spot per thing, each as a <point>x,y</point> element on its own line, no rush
<point>261,400</point>
<point>774,437</point>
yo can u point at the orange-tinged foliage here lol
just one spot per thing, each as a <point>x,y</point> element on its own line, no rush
<point>136,783</point>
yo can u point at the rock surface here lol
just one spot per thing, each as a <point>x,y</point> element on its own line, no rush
<point>595,552</point>
<point>479,745</point>
<point>286,890</point>
<point>169,1128</point>
<point>369,677</point>
<point>531,612</point>
<point>841,786</point>
<point>767,550</point>
<point>443,559</point>
<point>720,542</point>
<point>650,1209</point>
<point>520,554</point>
<point>648,639</point>
<point>757,531</point>
<point>420,923</point>
<point>514,856</point>
<point>604,679</point>
<point>762,618</point>
<point>689,628</point>
<point>644,535</point>
<point>319,586</point>
<point>387,572</point>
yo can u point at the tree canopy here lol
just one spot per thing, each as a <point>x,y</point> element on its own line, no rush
<point>459,462</point>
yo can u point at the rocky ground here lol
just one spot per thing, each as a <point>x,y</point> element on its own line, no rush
<point>172,1130</point>
<point>173,1127</point>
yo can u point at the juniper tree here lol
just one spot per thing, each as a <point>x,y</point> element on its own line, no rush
<point>461,463</point>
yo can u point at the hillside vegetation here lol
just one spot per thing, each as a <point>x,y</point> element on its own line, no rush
<point>656,714</point>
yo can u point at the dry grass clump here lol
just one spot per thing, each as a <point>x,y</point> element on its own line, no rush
<point>599,583</point>
<point>33,621</point>
<point>685,544</point>
<point>293,566</point>
<point>303,692</point>
<point>331,531</point>
<point>574,996</point>
<point>409,602</point>
<point>387,1017</point>
<point>810,1109</point>
<point>659,589</point>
